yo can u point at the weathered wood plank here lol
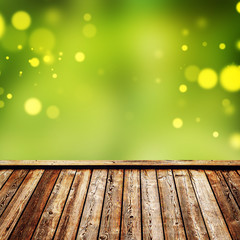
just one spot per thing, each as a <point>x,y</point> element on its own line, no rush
<point>131,212</point>
<point>229,207</point>
<point>171,214</point>
<point>192,217</point>
<point>212,215</point>
<point>111,215</point>
<point>89,224</point>
<point>151,212</point>
<point>32,213</point>
<point>233,181</point>
<point>105,163</point>
<point>13,211</point>
<point>68,226</point>
<point>4,175</point>
<point>11,187</point>
<point>52,212</point>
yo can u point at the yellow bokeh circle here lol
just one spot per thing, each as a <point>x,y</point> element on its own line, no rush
<point>33,106</point>
<point>238,45</point>
<point>53,112</point>
<point>34,62</point>
<point>2,25</point>
<point>222,46</point>
<point>177,123</point>
<point>207,78</point>
<point>79,56</point>
<point>9,96</point>
<point>21,20</point>
<point>191,73</point>
<point>215,134</point>
<point>89,30</point>
<point>230,78</point>
<point>184,48</point>
<point>182,88</point>
<point>235,141</point>
<point>2,104</point>
<point>238,7</point>
<point>87,17</point>
<point>42,40</point>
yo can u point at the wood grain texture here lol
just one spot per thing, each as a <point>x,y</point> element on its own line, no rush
<point>171,214</point>
<point>52,212</point>
<point>91,216</point>
<point>192,217</point>
<point>4,175</point>
<point>131,212</point>
<point>111,215</point>
<point>11,187</point>
<point>212,215</point>
<point>233,180</point>
<point>105,163</point>
<point>68,225</point>
<point>229,207</point>
<point>13,211</point>
<point>32,213</point>
<point>151,212</point>
<point>134,203</point>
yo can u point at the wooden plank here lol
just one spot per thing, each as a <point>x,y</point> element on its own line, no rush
<point>233,180</point>
<point>229,207</point>
<point>131,212</point>
<point>52,212</point>
<point>151,212</point>
<point>11,187</point>
<point>69,222</point>
<point>4,175</point>
<point>32,213</point>
<point>171,214</point>
<point>192,217</point>
<point>212,215</point>
<point>105,163</point>
<point>13,211</point>
<point>89,224</point>
<point>111,215</point>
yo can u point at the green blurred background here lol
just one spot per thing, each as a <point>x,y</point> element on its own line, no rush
<point>127,79</point>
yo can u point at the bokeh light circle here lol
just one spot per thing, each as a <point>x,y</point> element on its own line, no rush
<point>238,45</point>
<point>238,7</point>
<point>79,56</point>
<point>215,134</point>
<point>182,88</point>
<point>2,104</point>
<point>33,106</point>
<point>42,40</point>
<point>53,112</point>
<point>89,30</point>
<point>230,78</point>
<point>184,48</point>
<point>191,73</point>
<point>21,20</point>
<point>2,25</point>
<point>1,90</point>
<point>235,141</point>
<point>207,78</point>
<point>48,59</point>
<point>9,96</point>
<point>87,17</point>
<point>177,122</point>
<point>34,62</point>
<point>222,46</point>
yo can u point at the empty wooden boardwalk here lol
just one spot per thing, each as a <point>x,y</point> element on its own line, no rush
<point>119,201</point>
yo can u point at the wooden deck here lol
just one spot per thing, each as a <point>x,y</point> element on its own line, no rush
<point>119,203</point>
